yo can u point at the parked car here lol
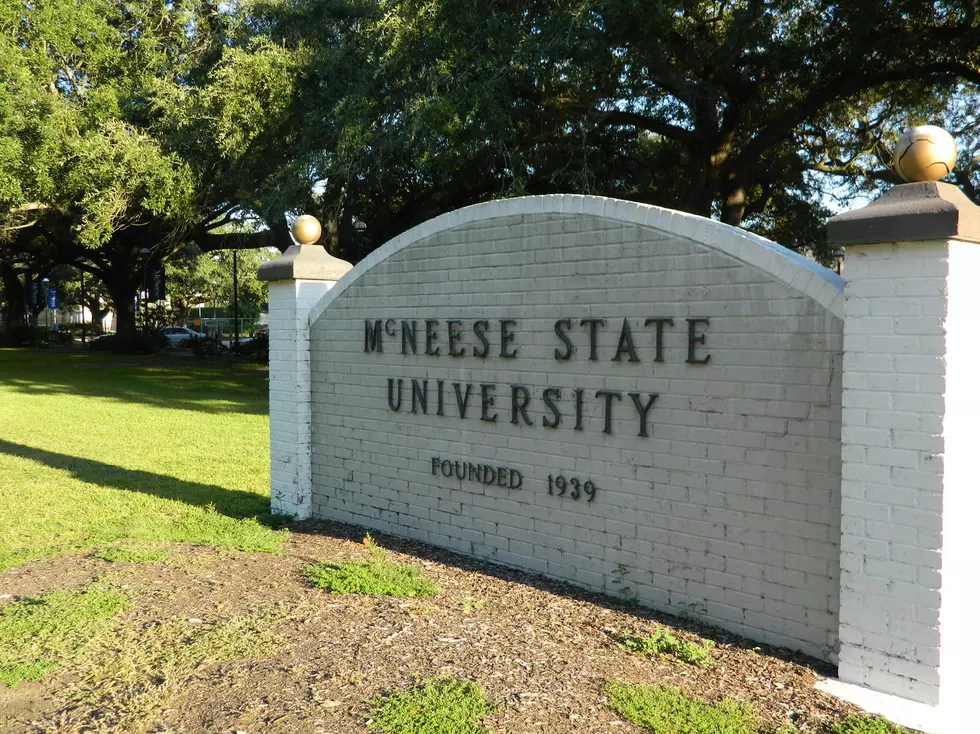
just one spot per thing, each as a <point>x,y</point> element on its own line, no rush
<point>260,331</point>
<point>181,336</point>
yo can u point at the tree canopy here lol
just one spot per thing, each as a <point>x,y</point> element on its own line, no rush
<point>131,131</point>
<point>738,110</point>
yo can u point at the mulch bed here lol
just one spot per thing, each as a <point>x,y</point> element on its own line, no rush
<point>544,651</point>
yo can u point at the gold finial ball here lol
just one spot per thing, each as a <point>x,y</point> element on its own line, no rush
<point>924,153</point>
<point>306,229</point>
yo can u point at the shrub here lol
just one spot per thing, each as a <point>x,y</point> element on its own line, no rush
<point>22,335</point>
<point>142,342</point>
<point>58,338</point>
<point>208,348</point>
<point>255,349</point>
<point>76,329</point>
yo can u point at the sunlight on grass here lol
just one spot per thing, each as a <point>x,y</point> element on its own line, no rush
<point>36,635</point>
<point>97,449</point>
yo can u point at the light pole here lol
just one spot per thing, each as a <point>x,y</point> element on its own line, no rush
<point>82,277</point>
<point>44,284</point>
<point>214,300</point>
<point>83,305</point>
<point>26,269</point>
<point>144,251</point>
<point>234,288</point>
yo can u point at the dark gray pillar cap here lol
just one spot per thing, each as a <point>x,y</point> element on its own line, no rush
<point>304,262</point>
<point>912,212</point>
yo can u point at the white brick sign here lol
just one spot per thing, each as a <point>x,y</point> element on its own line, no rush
<point>638,401</point>
<point>660,407</point>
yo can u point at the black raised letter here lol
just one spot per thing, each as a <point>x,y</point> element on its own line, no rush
<point>454,336</point>
<point>520,396</point>
<point>579,392</point>
<point>593,325</point>
<point>480,329</point>
<point>430,336</point>
<point>694,338</point>
<point>550,395</point>
<point>486,401</point>
<point>462,402</point>
<point>506,336</point>
<point>608,395</point>
<point>561,327</point>
<point>410,336</point>
<point>626,344</point>
<point>372,336</point>
<point>660,335</point>
<point>439,401</point>
<point>420,395</point>
<point>391,398</point>
<point>643,410</point>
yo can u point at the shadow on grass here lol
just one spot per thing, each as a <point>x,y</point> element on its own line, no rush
<point>167,380</point>
<point>230,502</point>
<point>428,552</point>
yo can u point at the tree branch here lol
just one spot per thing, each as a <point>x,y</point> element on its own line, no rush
<point>276,236</point>
<point>633,119</point>
<point>844,85</point>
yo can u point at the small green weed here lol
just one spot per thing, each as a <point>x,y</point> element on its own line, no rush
<point>663,642</point>
<point>867,725</point>
<point>471,605</point>
<point>377,577</point>
<point>131,555</point>
<point>37,633</point>
<point>440,706</point>
<point>666,710</point>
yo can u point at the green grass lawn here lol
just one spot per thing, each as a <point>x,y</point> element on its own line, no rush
<point>98,449</point>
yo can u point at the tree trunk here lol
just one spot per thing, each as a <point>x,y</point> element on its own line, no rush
<point>733,206</point>
<point>98,311</point>
<point>122,293</point>
<point>734,198</point>
<point>14,311</point>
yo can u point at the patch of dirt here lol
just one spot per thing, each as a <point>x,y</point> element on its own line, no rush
<point>543,650</point>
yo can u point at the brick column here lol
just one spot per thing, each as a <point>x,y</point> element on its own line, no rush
<point>297,281</point>
<point>911,455</point>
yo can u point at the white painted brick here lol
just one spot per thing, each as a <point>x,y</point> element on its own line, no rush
<point>909,468</point>
<point>289,390</point>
